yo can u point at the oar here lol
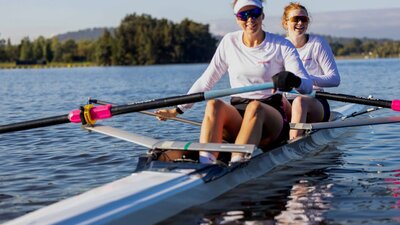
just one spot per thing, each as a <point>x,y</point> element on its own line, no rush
<point>393,104</point>
<point>104,112</point>
<point>345,123</point>
<point>101,102</point>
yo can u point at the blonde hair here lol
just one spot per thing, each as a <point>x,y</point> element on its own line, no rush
<point>290,7</point>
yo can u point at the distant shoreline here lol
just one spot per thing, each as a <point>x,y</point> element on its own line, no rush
<point>47,66</point>
<point>89,64</point>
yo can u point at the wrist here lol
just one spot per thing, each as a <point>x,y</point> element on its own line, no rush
<point>178,110</point>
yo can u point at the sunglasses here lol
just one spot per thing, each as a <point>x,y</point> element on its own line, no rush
<point>252,13</point>
<point>296,19</point>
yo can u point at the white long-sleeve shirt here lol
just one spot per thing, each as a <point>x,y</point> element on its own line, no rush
<point>319,61</point>
<point>248,66</point>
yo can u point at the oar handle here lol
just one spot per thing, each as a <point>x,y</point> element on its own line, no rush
<point>238,90</point>
<point>394,105</point>
<point>157,103</point>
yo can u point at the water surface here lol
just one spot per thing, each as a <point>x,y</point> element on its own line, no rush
<point>355,180</point>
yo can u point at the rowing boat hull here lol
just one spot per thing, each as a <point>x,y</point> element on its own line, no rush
<point>165,189</point>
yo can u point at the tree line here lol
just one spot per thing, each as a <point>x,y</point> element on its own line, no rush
<point>143,40</point>
<point>138,40</point>
<point>365,47</point>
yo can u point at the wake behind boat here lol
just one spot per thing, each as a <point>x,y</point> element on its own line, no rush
<point>158,190</point>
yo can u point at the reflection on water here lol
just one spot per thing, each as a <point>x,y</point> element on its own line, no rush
<point>394,188</point>
<point>294,194</point>
<point>306,204</point>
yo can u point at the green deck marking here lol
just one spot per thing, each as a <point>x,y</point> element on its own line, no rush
<point>187,146</point>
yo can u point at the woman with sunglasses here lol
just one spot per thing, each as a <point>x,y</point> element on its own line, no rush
<point>250,56</point>
<point>319,62</point>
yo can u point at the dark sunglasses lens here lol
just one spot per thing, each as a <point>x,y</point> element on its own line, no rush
<point>296,19</point>
<point>253,13</point>
<point>242,16</point>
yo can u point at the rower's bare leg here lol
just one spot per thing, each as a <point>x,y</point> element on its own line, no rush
<point>258,118</point>
<point>287,108</point>
<point>217,117</point>
<point>305,109</point>
<point>170,155</point>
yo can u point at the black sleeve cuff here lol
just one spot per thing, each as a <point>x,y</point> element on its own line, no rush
<point>178,110</point>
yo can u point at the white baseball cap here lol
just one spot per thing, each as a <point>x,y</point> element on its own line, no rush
<point>242,3</point>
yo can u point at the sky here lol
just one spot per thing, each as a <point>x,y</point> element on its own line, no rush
<point>32,18</point>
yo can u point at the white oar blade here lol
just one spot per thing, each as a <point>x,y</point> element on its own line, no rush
<point>345,123</point>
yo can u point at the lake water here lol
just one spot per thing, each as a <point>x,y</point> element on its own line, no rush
<point>355,180</point>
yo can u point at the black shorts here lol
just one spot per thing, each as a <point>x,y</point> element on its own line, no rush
<point>276,102</point>
<point>327,109</point>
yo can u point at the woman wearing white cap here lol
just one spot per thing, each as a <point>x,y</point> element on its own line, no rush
<point>250,56</point>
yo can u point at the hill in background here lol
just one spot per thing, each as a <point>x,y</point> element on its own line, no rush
<point>90,34</point>
<point>377,24</point>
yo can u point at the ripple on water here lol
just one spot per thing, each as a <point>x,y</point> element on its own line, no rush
<point>353,181</point>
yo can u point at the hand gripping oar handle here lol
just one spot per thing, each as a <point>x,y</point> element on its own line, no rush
<point>394,104</point>
<point>104,112</point>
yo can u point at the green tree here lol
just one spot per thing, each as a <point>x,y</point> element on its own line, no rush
<point>11,52</point>
<point>48,53</point>
<point>56,50</point>
<point>354,46</point>
<point>126,47</point>
<point>195,41</point>
<point>104,49</point>
<point>3,53</point>
<point>86,50</point>
<point>39,48</point>
<point>141,40</point>
<point>26,50</point>
<point>335,46</point>
<point>69,51</point>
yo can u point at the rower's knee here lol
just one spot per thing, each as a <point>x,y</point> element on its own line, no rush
<point>253,109</point>
<point>213,107</point>
<point>300,103</point>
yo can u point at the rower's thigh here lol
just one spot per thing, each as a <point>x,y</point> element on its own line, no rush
<point>287,108</point>
<point>233,120</point>
<point>315,109</point>
<point>224,113</point>
<point>272,124</point>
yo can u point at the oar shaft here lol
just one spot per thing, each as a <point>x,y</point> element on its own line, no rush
<point>185,99</point>
<point>354,99</point>
<point>100,102</point>
<point>157,103</point>
<point>104,112</point>
<point>44,122</point>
